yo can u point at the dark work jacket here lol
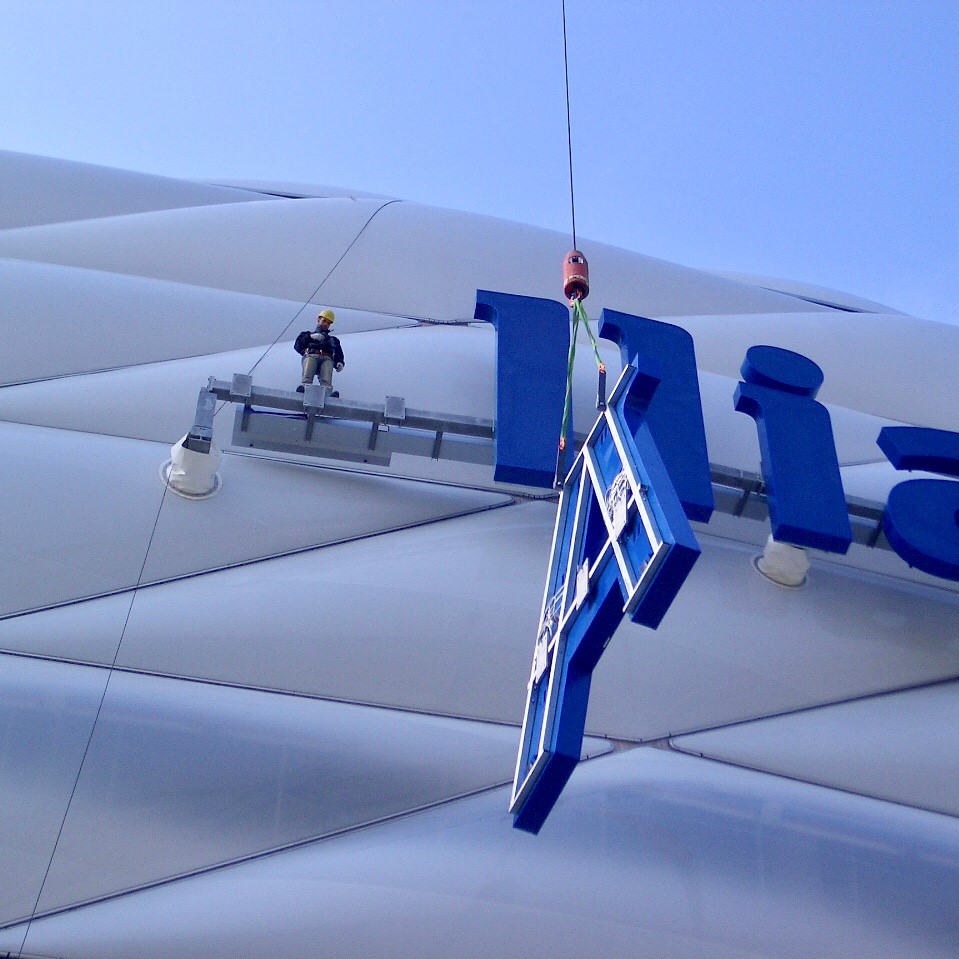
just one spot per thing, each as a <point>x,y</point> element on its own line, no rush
<point>329,345</point>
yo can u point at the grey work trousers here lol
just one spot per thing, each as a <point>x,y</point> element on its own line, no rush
<point>318,365</point>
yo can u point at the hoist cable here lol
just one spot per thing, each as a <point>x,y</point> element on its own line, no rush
<point>576,299</point>
<point>569,130</point>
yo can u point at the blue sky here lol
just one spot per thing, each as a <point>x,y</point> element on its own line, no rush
<point>814,140</point>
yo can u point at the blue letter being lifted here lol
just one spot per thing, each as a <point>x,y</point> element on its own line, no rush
<point>622,546</point>
<point>532,341</point>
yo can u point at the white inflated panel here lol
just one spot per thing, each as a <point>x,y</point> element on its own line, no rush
<point>441,369</point>
<point>66,320</point>
<point>892,366</point>
<point>47,711</point>
<point>208,774</point>
<point>429,262</point>
<point>809,291</point>
<point>733,644</point>
<point>297,189</point>
<point>732,439</point>
<point>439,619</point>
<point>89,506</point>
<point>647,854</point>
<point>448,614</point>
<point>157,401</point>
<point>874,481</point>
<point>85,632</point>
<point>35,189</point>
<point>446,370</point>
<point>271,247</point>
<point>900,746</point>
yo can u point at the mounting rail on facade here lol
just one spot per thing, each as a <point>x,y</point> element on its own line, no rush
<point>312,423</point>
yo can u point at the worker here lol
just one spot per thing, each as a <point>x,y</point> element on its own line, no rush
<point>321,352</point>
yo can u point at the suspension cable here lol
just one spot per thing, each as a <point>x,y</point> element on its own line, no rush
<point>569,130</point>
<point>575,288</point>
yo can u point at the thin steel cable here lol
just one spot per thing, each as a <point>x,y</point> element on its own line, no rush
<point>578,312</point>
<point>96,718</point>
<point>322,282</point>
<point>569,130</point>
<point>133,596</point>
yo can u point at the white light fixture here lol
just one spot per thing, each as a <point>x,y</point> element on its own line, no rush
<point>190,473</point>
<point>783,564</point>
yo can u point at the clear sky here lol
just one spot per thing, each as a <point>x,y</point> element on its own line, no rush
<point>814,140</point>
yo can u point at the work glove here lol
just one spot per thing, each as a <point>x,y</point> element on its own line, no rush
<point>338,367</point>
<point>316,336</point>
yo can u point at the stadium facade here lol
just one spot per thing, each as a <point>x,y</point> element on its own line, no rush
<point>283,720</point>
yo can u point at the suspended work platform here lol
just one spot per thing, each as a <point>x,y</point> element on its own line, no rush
<point>313,423</point>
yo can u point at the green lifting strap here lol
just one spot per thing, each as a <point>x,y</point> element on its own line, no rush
<point>580,312</point>
<point>579,316</point>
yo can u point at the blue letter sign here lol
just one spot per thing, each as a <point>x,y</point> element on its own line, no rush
<point>922,515</point>
<point>802,479</point>
<point>675,415</point>
<point>622,546</point>
<point>532,342</point>
<point>800,467</point>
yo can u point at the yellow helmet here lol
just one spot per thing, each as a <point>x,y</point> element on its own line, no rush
<point>326,315</point>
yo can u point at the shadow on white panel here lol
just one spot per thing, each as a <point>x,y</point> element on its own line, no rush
<point>647,854</point>
<point>180,775</point>
<point>900,746</point>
